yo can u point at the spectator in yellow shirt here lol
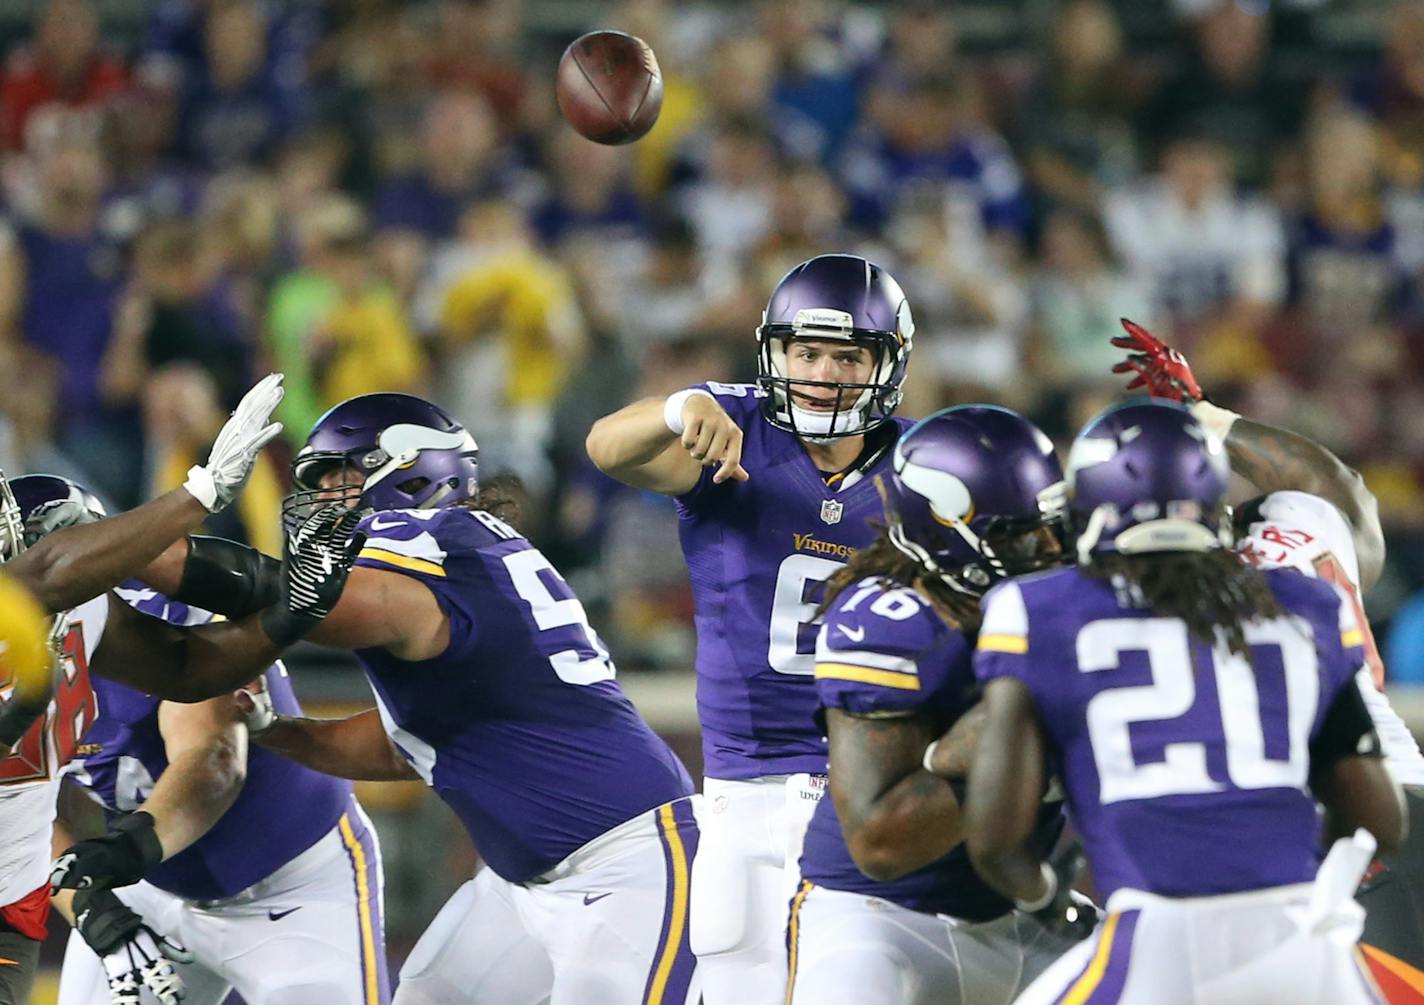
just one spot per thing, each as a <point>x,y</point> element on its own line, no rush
<point>335,329</point>
<point>509,323</point>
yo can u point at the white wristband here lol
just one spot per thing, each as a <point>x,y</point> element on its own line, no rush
<point>672,408</point>
<point>203,487</point>
<point>929,757</point>
<point>1051,878</point>
<point>1214,418</point>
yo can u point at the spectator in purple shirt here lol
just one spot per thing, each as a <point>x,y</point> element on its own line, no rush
<point>923,133</point>
<point>241,104</point>
<point>62,283</point>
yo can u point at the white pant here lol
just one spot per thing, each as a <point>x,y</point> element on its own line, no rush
<point>745,874</point>
<point>1238,949</point>
<point>853,948</point>
<point>310,932</point>
<point>607,926</point>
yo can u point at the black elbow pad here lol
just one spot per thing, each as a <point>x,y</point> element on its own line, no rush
<point>228,578</point>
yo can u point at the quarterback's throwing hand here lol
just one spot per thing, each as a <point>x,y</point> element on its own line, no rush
<point>237,445</point>
<point>712,438</point>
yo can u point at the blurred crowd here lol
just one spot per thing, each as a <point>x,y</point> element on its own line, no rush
<point>379,195</point>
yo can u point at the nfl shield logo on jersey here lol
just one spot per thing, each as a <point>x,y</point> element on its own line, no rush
<point>831,511</point>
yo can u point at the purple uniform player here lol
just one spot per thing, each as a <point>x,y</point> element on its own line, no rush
<point>889,910</point>
<point>775,487</point>
<point>1196,708</point>
<point>492,687</point>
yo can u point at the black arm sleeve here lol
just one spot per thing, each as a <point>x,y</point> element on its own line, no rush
<point>228,578</point>
<point>1347,731</point>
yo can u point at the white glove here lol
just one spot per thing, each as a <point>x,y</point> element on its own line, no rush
<point>235,450</point>
<point>146,961</point>
<point>256,709</point>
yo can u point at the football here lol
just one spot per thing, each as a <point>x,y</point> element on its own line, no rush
<point>609,87</point>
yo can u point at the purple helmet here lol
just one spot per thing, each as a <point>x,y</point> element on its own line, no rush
<point>841,298</point>
<point>1144,476</point>
<point>970,490</point>
<point>412,456</point>
<point>46,503</point>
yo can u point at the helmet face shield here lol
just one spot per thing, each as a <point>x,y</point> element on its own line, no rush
<point>793,404</point>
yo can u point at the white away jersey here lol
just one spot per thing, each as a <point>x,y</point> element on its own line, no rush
<point>29,777</point>
<point>1300,531</point>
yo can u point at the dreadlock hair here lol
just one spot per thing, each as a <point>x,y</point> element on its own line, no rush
<point>1212,591</point>
<point>502,496</point>
<point>883,561</point>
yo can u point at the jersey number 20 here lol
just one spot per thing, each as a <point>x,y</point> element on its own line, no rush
<point>1262,713</point>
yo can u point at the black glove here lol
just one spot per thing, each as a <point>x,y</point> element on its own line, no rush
<point>135,956</point>
<point>119,858</point>
<point>317,558</point>
<point>1062,910</point>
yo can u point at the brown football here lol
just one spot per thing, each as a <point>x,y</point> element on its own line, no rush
<point>609,87</point>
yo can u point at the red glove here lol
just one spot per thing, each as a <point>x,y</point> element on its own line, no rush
<point>1161,369</point>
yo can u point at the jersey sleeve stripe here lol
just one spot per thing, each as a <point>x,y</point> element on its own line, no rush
<point>1004,644</point>
<point>865,658</point>
<point>868,675</point>
<point>1354,637</point>
<point>400,561</point>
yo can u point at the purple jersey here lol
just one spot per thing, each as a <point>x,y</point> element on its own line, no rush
<point>886,653</point>
<point>519,724</point>
<point>757,553</point>
<point>282,810</point>
<point>1186,768</point>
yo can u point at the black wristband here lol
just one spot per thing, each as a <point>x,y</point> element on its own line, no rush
<point>17,716</point>
<point>138,827</point>
<point>228,578</point>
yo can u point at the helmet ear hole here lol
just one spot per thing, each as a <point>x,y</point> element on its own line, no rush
<point>413,485</point>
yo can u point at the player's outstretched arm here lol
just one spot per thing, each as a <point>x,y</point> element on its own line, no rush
<point>896,816</point>
<point>216,574</point>
<point>195,664</point>
<point>355,747</point>
<point>79,563</point>
<point>662,444</point>
<point>1274,459</point>
<point>1270,458</point>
